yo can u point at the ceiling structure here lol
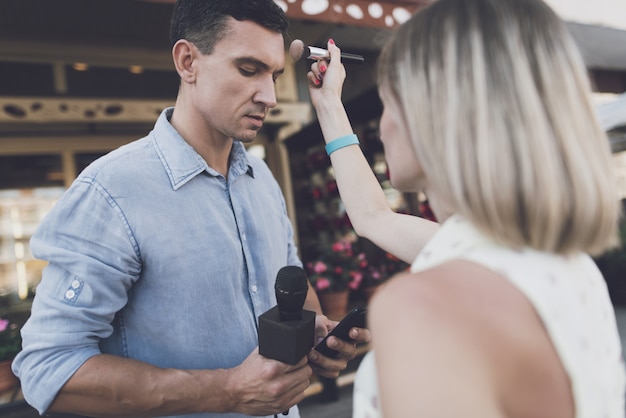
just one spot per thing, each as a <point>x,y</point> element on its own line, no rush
<point>120,33</point>
<point>119,30</point>
<point>41,40</point>
<point>380,14</point>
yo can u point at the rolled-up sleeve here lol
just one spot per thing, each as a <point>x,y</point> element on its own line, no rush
<point>93,260</point>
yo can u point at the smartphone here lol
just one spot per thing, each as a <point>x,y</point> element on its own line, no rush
<point>354,318</point>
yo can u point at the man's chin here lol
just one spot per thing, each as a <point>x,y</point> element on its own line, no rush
<point>247,136</point>
<point>246,139</point>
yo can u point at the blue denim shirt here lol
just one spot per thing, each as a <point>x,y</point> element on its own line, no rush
<point>155,256</point>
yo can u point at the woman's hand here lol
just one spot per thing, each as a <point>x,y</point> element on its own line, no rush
<point>326,78</point>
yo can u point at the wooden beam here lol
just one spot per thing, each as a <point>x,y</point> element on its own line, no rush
<point>101,56</point>
<point>39,110</point>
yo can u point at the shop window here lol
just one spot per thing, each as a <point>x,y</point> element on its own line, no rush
<point>30,171</point>
<point>21,210</point>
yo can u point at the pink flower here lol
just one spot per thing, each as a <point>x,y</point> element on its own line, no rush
<point>357,277</point>
<point>319,267</point>
<point>4,324</point>
<point>322,283</point>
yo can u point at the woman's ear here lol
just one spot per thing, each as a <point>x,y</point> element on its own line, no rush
<point>183,54</point>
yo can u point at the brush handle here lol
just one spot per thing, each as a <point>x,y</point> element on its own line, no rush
<point>316,53</point>
<point>352,57</point>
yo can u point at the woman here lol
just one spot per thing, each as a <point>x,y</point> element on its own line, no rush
<point>504,314</point>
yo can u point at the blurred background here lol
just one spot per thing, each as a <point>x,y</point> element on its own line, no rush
<point>79,78</point>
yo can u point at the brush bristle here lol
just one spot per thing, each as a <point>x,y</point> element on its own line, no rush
<point>296,49</point>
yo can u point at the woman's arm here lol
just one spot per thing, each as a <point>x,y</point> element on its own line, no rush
<point>364,200</point>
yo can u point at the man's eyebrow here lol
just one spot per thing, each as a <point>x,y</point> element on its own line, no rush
<point>257,63</point>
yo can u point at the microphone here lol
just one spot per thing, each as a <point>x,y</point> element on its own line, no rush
<point>297,50</point>
<point>286,331</point>
<point>291,288</point>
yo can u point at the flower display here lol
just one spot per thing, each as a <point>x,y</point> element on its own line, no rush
<point>381,267</point>
<point>10,339</point>
<point>352,263</point>
<point>336,269</point>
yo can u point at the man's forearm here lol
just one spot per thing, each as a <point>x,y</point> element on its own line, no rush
<point>115,386</point>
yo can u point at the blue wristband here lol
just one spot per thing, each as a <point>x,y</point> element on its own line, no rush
<point>342,141</point>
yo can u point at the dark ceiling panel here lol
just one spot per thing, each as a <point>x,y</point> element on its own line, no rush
<point>93,22</point>
<point>26,79</point>
<point>119,82</point>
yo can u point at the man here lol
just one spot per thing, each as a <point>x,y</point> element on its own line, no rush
<point>163,253</point>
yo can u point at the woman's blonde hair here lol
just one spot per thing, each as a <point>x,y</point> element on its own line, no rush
<point>495,98</point>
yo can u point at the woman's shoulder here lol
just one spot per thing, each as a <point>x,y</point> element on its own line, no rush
<point>460,295</point>
<point>455,286</point>
<point>462,312</point>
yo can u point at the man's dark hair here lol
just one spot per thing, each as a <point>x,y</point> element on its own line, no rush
<point>204,22</point>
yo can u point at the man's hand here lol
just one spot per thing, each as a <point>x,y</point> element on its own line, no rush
<point>331,367</point>
<point>262,386</point>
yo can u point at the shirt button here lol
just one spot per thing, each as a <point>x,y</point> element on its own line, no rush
<point>243,237</point>
<point>70,294</point>
<point>75,284</point>
<point>254,288</point>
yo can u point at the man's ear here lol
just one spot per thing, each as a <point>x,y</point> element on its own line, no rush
<point>183,54</point>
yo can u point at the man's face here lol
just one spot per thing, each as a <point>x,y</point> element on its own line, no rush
<point>235,84</point>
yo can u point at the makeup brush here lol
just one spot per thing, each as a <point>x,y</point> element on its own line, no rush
<point>297,50</point>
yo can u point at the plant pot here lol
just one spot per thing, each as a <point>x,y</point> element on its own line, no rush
<point>8,381</point>
<point>334,304</point>
<point>368,292</point>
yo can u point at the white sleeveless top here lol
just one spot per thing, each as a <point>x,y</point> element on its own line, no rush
<point>568,293</point>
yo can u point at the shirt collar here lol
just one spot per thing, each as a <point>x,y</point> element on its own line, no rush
<point>182,163</point>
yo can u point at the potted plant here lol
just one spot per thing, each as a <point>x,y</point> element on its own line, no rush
<point>377,266</point>
<point>10,345</point>
<point>333,274</point>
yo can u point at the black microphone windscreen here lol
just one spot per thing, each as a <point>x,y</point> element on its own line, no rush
<point>291,279</point>
<point>291,289</point>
